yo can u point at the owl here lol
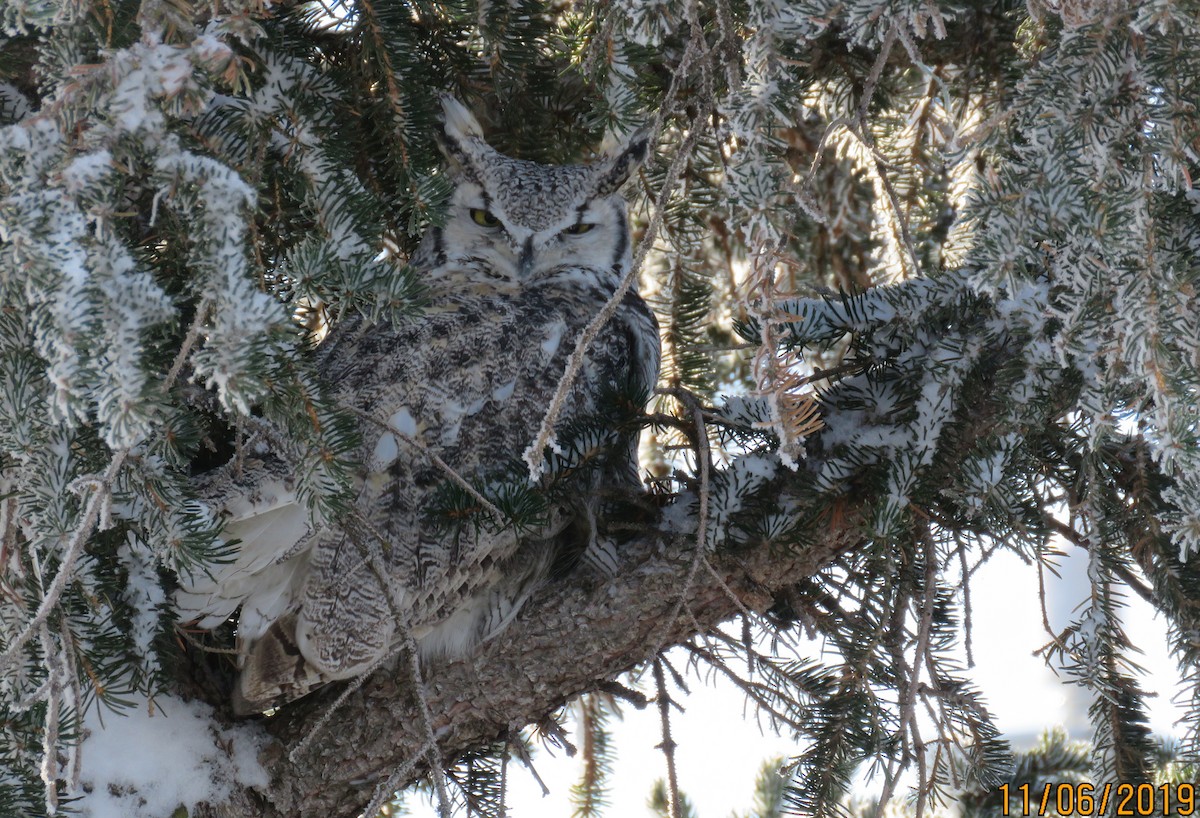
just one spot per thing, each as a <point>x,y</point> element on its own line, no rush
<point>529,254</point>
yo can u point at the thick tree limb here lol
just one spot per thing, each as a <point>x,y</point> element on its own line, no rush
<point>576,636</point>
<point>581,633</point>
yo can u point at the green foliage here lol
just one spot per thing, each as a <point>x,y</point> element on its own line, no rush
<point>659,802</point>
<point>589,795</point>
<point>768,792</point>
<point>479,777</point>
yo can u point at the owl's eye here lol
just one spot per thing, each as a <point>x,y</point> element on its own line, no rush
<point>579,229</point>
<point>483,218</point>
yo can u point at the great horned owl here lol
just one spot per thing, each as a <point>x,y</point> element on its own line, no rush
<point>529,254</point>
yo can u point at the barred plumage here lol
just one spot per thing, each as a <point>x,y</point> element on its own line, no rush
<point>528,256</point>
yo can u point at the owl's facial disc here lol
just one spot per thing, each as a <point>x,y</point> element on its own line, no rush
<point>518,234</point>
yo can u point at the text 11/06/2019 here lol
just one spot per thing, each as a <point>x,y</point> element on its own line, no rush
<point>1129,800</point>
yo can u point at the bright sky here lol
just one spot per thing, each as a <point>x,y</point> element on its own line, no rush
<point>721,751</point>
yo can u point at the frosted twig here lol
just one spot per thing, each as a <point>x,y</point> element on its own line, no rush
<point>104,515</point>
<point>868,140</point>
<point>36,697</point>
<point>979,132</point>
<point>968,627</point>
<point>668,743</point>
<point>872,82</point>
<point>435,760</point>
<point>504,782</point>
<point>74,749</point>
<point>335,705</point>
<point>534,455</point>
<point>901,221</point>
<point>1042,603</point>
<point>101,491</point>
<point>599,43</point>
<point>725,587</point>
<point>896,763</point>
<point>189,341</point>
<point>925,783</point>
<point>862,133</point>
<point>914,54</point>
<point>830,130</point>
<point>729,43</point>
<point>946,736</point>
<point>385,790</point>
<point>739,644</point>
<point>552,732</point>
<point>1126,576</point>
<point>49,766</point>
<point>921,657</point>
<point>704,464</point>
<point>694,47</point>
<point>698,45</point>
<point>437,461</point>
<point>8,522</point>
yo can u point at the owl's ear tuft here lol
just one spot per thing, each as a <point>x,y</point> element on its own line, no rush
<point>459,129</point>
<point>459,122</point>
<point>623,163</point>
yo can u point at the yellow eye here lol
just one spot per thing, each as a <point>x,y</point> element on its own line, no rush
<point>579,229</point>
<point>483,218</point>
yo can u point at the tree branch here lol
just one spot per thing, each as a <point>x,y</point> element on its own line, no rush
<point>576,635</point>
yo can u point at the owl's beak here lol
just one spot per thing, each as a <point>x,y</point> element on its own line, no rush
<point>525,264</point>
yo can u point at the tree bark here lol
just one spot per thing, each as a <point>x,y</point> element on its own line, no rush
<point>582,632</point>
<point>575,636</point>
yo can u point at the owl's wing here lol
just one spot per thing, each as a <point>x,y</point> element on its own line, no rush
<point>268,525</point>
<point>470,382</point>
<point>324,604</point>
<point>463,385</point>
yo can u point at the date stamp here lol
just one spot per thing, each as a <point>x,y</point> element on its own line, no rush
<point>1125,800</point>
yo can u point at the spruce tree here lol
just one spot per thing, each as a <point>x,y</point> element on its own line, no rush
<point>927,280</point>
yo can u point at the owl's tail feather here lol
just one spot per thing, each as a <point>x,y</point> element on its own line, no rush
<point>274,671</point>
<point>262,515</point>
